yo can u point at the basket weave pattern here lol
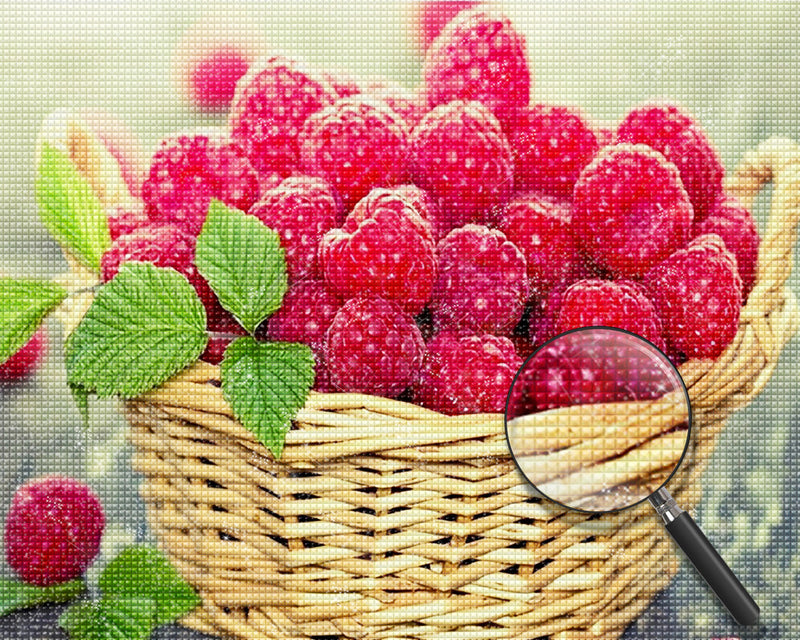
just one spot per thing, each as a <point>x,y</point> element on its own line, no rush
<point>385,520</point>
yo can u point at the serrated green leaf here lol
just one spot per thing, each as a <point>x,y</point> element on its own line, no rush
<point>244,263</point>
<point>110,619</point>
<point>70,209</point>
<point>142,328</point>
<point>23,306</point>
<point>16,595</point>
<point>266,384</point>
<point>146,572</point>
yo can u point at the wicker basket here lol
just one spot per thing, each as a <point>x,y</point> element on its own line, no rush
<point>386,520</point>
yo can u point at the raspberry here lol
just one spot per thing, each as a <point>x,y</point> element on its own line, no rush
<point>622,304</point>
<point>123,220</point>
<point>697,292</point>
<point>24,362</point>
<point>479,56</point>
<point>53,530</point>
<point>343,84</point>
<point>735,225</point>
<point>466,373</point>
<point>188,170</point>
<point>630,210</point>
<point>461,156</point>
<point>301,210</point>
<point>355,144</point>
<point>540,227</point>
<point>373,347</point>
<point>224,324</point>
<point>551,147</point>
<point>408,105</point>
<point>431,17</point>
<point>481,283</point>
<point>671,131</point>
<point>272,102</point>
<point>385,249</point>
<point>422,202</point>
<point>605,136</point>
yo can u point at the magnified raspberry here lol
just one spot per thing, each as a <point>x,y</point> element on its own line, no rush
<point>301,210</point>
<point>630,210</point>
<point>271,103</point>
<point>671,131</point>
<point>373,347</point>
<point>479,56</point>
<point>355,144</point>
<point>460,155</point>
<point>697,292</point>
<point>24,362</point>
<point>53,530</point>
<point>466,373</point>
<point>540,227</point>
<point>735,225</point>
<point>385,249</point>
<point>551,147</point>
<point>422,201</point>
<point>123,220</point>
<point>481,284</point>
<point>188,170</point>
<point>407,104</point>
<point>430,17</point>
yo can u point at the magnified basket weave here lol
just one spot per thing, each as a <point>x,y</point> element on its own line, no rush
<point>386,520</point>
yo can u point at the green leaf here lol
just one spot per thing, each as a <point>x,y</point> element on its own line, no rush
<point>266,384</point>
<point>23,306</point>
<point>145,572</point>
<point>142,328</point>
<point>110,619</point>
<point>20,595</point>
<point>70,209</point>
<point>244,263</point>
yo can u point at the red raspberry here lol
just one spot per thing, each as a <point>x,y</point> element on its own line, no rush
<point>432,16</point>
<point>698,294</point>
<point>53,530</point>
<point>671,131</point>
<point>188,170</point>
<point>479,56</point>
<point>271,103</point>
<point>481,284</point>
<point>422,201</point>
<point>123,220</point>
<point>735,225</point>
<point>551,147</point>
<point>540,227</point>
<point>355,144</point>
<point>622,304</point>
<point>224,325</point>
<point>301,210</point>
<point>24,362</point>
<point>373,347</point>
<point>343,84</point>
<point>466,373</point>
<point>460,155</point>
<point>212,79</point>
<point>407,104</point>
<point>385,249</point>
<point>630,210</point>
<point>605,136</point>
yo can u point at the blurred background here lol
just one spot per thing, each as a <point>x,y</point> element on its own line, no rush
<point>735,65</point>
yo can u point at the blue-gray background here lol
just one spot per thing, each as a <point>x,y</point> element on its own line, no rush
<point>734,64</point>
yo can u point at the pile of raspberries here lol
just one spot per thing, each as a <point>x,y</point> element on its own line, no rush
<point>435,237</point>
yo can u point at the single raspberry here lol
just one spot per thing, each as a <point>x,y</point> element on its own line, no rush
<point>671,131</point>
<point>540,227</point>
<point>385,249</point>
<point>735,225</point>
<point>551,147</point>
<point>431,17</point>
<point>410,106</point>
<point>697,291</point>
<point>301,210</point>
<point>481,284</point>
<point>466,373</point>
<point>630,210</point>
<point>24,362</point>
<point>373,347</point>
<point>123,220</point>
<point>461,156</point>
<point>272,102</point>
<point>479,56</point>
<point>188,170</point>
<point>53,530</point>
<point>355,144</point>
<point>622,304</point>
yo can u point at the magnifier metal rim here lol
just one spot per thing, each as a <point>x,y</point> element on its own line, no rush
<point>688,431</point>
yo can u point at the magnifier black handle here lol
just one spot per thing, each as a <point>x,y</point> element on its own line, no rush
<point>706,560</point>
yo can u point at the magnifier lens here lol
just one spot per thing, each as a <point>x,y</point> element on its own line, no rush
<point>598,419</point>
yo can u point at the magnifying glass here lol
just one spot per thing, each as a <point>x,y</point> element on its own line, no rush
<point>598,420</point>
